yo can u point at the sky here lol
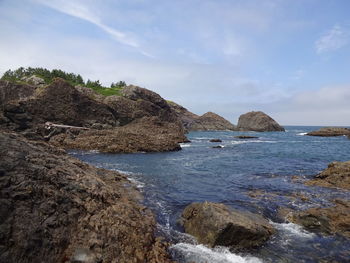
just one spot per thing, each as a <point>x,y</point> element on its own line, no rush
<point>288,58</point>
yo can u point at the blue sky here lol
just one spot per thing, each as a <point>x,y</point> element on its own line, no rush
<point>289,58</point>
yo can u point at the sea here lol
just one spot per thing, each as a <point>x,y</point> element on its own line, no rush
<point>260,175</point>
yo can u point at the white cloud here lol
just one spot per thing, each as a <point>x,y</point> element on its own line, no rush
<point>80,10</point>
<point>334,39</point>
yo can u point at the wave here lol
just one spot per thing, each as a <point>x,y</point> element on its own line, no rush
<point>252,141</point>
<point>302,133</point>
<point>292,229</point>
<point>184,145</point>
<point>203,254</point>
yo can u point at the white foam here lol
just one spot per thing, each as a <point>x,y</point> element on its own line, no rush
<point>293,230</point>
<point>203,254</point>
<point>138,184</point>
<point>184,145</point>
<point>252,141</point>
<point>302,133</point>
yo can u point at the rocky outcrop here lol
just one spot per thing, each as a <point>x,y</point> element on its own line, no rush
<point>210,121</point>
<point>148,134</point>
<point>330,132</point>
<point>327,220</point>
<point>187,118</point>
<point>257,121</point>
<point>246,137</point>
<point>54,208</point>
<point>10,91</point>
<point>215,224</point>
<point>336,175</point>
<point>34,80</point>
<point>215,140</point>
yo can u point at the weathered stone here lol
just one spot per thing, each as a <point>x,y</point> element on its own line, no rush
<point>55,208</point>
<point>215,140</point>
<point>210,121</point>
<point>215,224</point>
<point>330,132</point>
<point>257,121</point>
<point>336,175</point>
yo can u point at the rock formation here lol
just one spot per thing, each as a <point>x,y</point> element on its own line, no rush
<point>215,224</point>
<point>209,121</point>
<point>336,175</point>
<point>246,137</point>
<point>55,208</point>
<point>330,132</point>
<point>257,121</point>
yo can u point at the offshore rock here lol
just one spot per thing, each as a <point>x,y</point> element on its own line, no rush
<point>330,132</point>
<point>336,175</point>
<point>257,121</point>
<point>148,134</point>
<point>55,208</point>
<point>211,121</point>
<point>246,137</point>
<point>215,224</point>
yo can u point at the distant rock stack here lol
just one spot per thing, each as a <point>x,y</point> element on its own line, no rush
<point>257,121</point>
<point>211,121</point>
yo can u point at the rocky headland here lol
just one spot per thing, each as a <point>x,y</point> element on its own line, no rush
<point>257,121</point>
<point>330,132</point>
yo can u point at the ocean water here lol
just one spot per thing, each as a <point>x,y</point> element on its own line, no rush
<point>258,175</point>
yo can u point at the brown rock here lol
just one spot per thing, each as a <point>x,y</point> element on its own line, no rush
<point>58,209</point>
<point>210,121</point>
<point>336,175</point>
<point>187,118</point>
<point>148,134</point>
<point>257,121</point>
<point>215,224</point>
<point>330,132</point>
<point>246,137</point>
<point>327,220</point>
<point>215,140</point>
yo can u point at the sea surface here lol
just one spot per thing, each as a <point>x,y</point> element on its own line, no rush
<point>258,175</point>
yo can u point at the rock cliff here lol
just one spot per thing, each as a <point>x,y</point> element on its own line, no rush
<point>55,208</point>
<point>257,121</point>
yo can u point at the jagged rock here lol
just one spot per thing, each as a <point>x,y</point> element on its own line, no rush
<point>215,140</point>
<point>327,220</point>
<point>336,175</point>
<point>187,118</point>
<point>210,121</point>
<point>257,121</point>
<point>215,224</point>
<point>34,80</point>
<point>330,132</point>
<point>148,134</point>
<point>246,137</point>
<point>55,208</point>
<point>10,91</point>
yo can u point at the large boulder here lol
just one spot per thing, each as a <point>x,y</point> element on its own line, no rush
<point>215,224</point>
<point>336,175</point>
<point>10,91</point>
<point>211,121</point>
<point>55,208</point>
<point>330,132</point>
<point>257,121</point>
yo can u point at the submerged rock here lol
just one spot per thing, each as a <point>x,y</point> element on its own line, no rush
<point>55,208</point>
<point>257,121</point>
<point>336,175</point>
<point>215,140</point>
<point>218,147</point>
<point>330,132</point>
<point>246,137</point>
<point>215,224</point>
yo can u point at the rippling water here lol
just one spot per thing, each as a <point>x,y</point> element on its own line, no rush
<point>235,175</point>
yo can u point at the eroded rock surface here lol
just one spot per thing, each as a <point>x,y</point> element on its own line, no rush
<point>257,121</point>
<point>215,224</point>
<point>211,121</point>
<point>336,175</point>
<point>330,132</point>
<point>55,208</point>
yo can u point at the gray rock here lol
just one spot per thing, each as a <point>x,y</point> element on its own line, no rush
<point>257,121</point>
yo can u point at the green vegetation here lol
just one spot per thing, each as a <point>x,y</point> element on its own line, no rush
<point>21,73</point>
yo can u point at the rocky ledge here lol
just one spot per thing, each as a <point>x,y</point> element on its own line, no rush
<point>58,209</point>
<point>330,132</point>
<point>257,121</point>
<point>215,224</point>
<point>337,175</point>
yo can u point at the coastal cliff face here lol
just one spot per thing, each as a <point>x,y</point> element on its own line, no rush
<point>209,121</point>
<point>139,120</point>
<point>257,121</point>
<point>54,208</point>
